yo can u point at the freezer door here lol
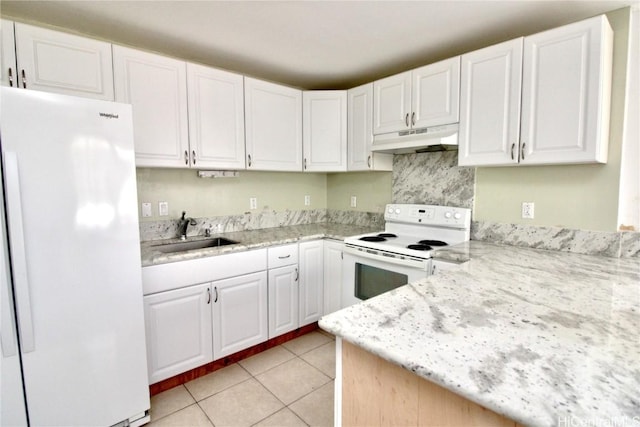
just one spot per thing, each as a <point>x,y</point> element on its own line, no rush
<point>73,229</point>
<point>12,409</point>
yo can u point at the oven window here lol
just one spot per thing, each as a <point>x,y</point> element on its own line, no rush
<point>372,281</point>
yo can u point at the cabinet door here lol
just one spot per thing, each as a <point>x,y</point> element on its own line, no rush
<point>7,54</point>
<point>324,130</point>
<point>178,330</point>
<point>360,132</point>
<point>156,87</point>
<point>283,300</point>
<point>240,317</point>
<point>392,103</point>
<point>332,276</point>
<point>566,94</point>
<point>216,118</point>
<point>273,124</point>
<point>52,61</point>
<point>490,105</point>
<point>435,93</point>
<point>311,281</point>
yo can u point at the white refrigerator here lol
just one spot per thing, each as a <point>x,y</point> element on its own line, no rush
<point>72,323</point>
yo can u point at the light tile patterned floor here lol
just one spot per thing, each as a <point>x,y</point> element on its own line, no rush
<point>288,385</point>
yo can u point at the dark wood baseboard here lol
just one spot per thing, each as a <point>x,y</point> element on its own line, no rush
<point>228,360</point>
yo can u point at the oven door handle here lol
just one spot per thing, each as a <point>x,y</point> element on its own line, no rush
<point>421,265</point>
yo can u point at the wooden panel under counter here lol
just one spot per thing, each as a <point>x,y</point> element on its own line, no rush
<point>378,393</point>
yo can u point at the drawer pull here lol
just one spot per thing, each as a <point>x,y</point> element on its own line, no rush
<point>284,257</point>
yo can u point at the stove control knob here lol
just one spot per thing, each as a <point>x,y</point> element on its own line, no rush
<point>457,215</point>
<point>397,211</point>
<point>390,210</point>
<point>447,215</point>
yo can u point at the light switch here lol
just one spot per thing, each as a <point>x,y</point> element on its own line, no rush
<point>163,208</point>
<point>146,210</point>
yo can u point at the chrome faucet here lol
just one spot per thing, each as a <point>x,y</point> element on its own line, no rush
<point>183,223</point>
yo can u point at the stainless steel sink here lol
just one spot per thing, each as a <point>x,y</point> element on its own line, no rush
<point>197,244</point>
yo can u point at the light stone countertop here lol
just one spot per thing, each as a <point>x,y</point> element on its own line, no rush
<point>545,338</point>
<point>251,239</point>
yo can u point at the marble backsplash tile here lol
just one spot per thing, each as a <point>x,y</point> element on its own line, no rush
<point>610,244</point>
<point>433,179</point>
<point>167,229</point>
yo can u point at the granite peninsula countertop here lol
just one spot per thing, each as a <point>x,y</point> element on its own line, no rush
<point>251,239</point>
<point>545,338</point>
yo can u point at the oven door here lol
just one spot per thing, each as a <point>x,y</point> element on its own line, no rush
<point>366,274</point>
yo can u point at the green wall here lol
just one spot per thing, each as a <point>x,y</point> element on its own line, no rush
<point>202,197</point>
<point>372,191</point>
<point>579,196</point>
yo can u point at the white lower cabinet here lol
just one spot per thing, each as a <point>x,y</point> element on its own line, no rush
<point>239,313</point>
<point>178,330</point>
<point>332,268</point>
<point>283,300</point>
<point>311,281</point>
<point>246,299</point>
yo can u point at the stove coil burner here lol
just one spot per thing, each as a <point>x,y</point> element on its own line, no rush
<point>432,243</point>
<point>420,247</point>
<point>372,239</point>
<point>387,235</point>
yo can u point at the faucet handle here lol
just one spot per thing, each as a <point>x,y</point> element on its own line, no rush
<point>183,214</point>
<point>207,232</point>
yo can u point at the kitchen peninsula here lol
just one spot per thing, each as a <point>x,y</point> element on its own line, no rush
<point>540,337</point>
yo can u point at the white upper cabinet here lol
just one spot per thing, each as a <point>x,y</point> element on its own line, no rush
<point>324,131</point>
<point>156,87</point>
<point>490,105</point>
<point>426,96</point>
<point>392,103</point>
<point>7,54</point>
<point>566,94</point>
<point>273,126</point>
<point>435,94</point>
<point>52,61</point>
<point>564,76</point>
<point>216,118</point>
<point>360,132</point>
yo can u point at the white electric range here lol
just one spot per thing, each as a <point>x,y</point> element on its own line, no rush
<point>375,263</point>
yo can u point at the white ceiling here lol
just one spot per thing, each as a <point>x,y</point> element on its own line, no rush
<point>308,44</point>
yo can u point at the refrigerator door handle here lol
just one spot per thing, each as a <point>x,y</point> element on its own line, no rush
<point>18,252</point>
<point>7,333</point>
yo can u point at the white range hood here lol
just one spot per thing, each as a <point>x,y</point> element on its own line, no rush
<point>436,138</point>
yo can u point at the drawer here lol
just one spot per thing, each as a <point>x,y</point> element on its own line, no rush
<point>280,256</point>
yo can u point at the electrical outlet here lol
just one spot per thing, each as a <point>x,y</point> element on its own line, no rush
<point>253,203</point>
<point>146,210</point>
<point>527,210</point>
<point>307,200</point>
<point>163,208</point>
<point>354,201</point>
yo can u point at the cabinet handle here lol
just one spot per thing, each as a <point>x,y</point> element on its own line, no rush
<point>406,120</point>
<point>208,295</point>
<point>413,118</point>
<point>24,79</point>
<point>297,275</point>
<point>305,164</point>
<point>10,77</point>
<point>369,162</point>
<point>522,150</point>
<point>193,159</point>
<point>186,157</point>
<point>284,257</point>
<point>249,158</point>
<point>215,289</point>
<point>513,146</point>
